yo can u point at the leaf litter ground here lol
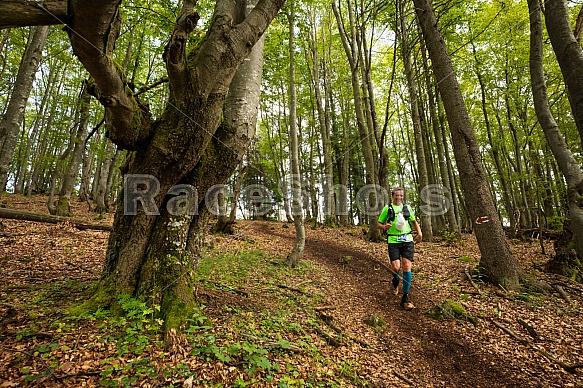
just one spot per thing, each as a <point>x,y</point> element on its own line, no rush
<point>47,268</point>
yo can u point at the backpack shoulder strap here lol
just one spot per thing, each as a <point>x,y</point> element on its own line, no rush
<point>390,213</point>
<point>406,212</point>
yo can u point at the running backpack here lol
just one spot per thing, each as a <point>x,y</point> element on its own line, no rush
<point>391,213</point>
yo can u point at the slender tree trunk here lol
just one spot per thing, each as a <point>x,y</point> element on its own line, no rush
<point>341,149</point>
<point>294,257</point>
<point>19,188</point>
<point>101,202</point>
<point>525,221</point>
<point>416,118</point>
<point>324,126</point>
<point>59,168</point>
<point>497,262</point>
<point>40,164</point>
<point>457,200</point>
<point>100,158</point>
<point>368,88</point>
<point>225,222</point>
<point>236,192</point>
<point>111,174</point>
<point>495,150</point>
<point>372,197</point>
<point>384,157</point>
<point>5,37</point>
<point>549,195</point>
<point>569,55</point>
<point>565,264</point>
<point>453,225</point>
<point>63,206</point>
<point>14,115</point>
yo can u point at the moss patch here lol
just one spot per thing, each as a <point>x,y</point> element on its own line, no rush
<point>376,322</point>
<point>450,310</point>
<point>466,259</point>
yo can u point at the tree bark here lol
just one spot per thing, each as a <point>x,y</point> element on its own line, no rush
<point>579,26</point>
<point>22,13</point>
<point>416,120</point>
<point>14,115</point>
<point>372,197</point>
<point>294,257</point>
<point>498,263</point>
<point>63,206</point>
<point>569,55</point>
<point>567,163</point>
<point>182,147</point>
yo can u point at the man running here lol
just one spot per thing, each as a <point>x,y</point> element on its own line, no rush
<point>397,218</point>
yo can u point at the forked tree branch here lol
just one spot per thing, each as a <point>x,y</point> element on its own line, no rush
<point>93,29</point>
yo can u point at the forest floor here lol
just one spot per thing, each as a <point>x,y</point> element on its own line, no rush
<point>265,325</point>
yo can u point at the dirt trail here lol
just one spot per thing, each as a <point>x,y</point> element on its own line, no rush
<point>353,277</point>
<point>424,351</point>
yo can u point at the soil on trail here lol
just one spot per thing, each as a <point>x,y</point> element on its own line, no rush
<point>413,350</point>
<point>414,347</point>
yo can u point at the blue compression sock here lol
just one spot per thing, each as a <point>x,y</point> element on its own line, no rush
<point>407,278</point>
<point>396,280</point>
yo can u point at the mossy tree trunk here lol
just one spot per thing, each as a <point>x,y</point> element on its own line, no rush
<point>566,261</point>
<point>191,147</point>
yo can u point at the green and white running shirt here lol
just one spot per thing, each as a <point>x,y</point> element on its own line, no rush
<point>397,236</point>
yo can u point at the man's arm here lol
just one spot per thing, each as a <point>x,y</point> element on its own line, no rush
<point>381,222</point>
<point>382,226</point>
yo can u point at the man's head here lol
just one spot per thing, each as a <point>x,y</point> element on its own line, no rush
<point>398,195</point>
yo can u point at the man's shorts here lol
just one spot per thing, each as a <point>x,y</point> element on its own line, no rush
<point>403,249</point>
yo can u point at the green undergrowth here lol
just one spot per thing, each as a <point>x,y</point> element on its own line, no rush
<point>257,329</point>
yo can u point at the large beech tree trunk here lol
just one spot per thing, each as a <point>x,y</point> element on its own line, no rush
<point>193,152</point>
<point>498,263</point>
<point>174,160</point>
